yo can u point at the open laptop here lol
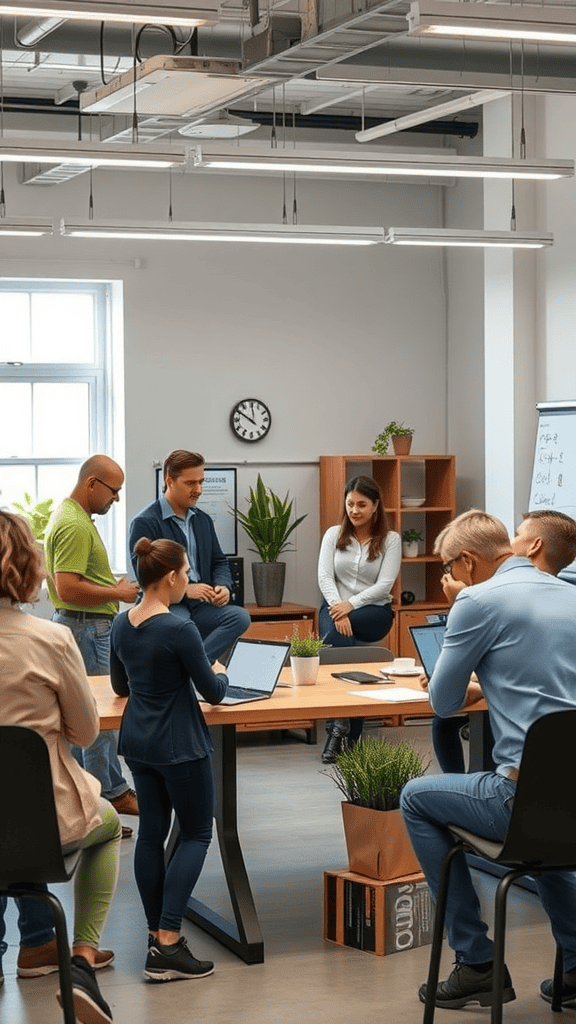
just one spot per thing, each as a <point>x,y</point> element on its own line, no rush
<point>428,640</point>
<point>253,669</point>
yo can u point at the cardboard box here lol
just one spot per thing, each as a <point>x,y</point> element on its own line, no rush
<point>377,917</point>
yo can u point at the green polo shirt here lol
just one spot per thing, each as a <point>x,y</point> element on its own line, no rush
<point>73,544</point>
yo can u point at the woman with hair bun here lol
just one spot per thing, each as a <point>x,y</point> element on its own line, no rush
<point>157,659</point>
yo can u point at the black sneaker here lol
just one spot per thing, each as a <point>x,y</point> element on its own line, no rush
<point>167,963</point>
<point>89,1004</point>
<point>568,996</point>
<point>465,985</point>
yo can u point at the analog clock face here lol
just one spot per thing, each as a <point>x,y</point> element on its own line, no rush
<point>250,419</point>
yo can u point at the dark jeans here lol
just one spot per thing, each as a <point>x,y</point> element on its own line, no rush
<point>369,624</point>
<point>35,922</point>
<point>188,789</point>
<point>448,744</point>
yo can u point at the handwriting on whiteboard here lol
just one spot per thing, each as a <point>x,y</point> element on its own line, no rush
<point>548,476</point>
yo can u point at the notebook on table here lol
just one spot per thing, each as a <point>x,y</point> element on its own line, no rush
<point>253,669</point>
<point>428,640</point>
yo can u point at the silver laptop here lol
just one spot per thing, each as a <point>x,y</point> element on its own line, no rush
<point>428,640</point>
<point>253,669</point>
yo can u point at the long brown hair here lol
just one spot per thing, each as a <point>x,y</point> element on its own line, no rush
<point>379,527</point>
<point>21,563</point>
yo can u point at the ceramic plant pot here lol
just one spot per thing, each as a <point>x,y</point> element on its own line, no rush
<point>402,444</point>
<point>305,670</point>
<point>268,579</point>
<point>410,548</point>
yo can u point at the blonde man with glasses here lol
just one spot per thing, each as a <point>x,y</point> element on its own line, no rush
<point>514,626</point>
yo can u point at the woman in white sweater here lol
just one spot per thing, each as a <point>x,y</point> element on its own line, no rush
<point>358,564</point>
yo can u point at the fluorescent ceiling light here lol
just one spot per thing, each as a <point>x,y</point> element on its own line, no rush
<point>26,226</point>
<point>392,164</point>
<point>212,232</point>
<point>475,99</point>
<point>482,239</point>
<point>142,12</point>
<point>493,21</point>
<point>92,154</point>
<point>178,86</point>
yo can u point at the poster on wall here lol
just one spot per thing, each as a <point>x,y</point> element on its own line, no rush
<point>218,497</point>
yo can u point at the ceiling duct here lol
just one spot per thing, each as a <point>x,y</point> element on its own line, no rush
<point>174,85</point>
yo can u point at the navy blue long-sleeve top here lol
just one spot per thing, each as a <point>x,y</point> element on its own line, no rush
<point>155,665</point>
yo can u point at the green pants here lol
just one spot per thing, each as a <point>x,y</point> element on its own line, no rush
<point>96,876</point>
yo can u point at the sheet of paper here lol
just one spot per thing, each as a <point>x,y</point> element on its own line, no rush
<point>396,694</point>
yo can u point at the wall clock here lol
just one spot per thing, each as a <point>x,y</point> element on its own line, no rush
<point>250,420</point>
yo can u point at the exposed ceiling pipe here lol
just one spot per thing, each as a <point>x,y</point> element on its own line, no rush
<point>33,31</point>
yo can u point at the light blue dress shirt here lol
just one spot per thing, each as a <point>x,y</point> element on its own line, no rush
<point>188,532</point>
<point>517,631</point>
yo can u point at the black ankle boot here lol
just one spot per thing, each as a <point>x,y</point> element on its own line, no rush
<point>333,747</point>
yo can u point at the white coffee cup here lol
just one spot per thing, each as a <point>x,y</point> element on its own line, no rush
<point>404,664</point>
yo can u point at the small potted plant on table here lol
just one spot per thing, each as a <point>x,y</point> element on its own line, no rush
<point>304,658</point>
<point>371,776</point>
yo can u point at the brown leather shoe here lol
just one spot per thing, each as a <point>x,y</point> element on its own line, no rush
<point>127,832</point>
<point>35,961</point>
<point>126,803</point>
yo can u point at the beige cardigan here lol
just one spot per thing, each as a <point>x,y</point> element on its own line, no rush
<point>43,685</point>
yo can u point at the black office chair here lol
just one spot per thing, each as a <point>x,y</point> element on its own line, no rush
<point>30,851</point>
<point>541,838</point>
<point>351,655</point>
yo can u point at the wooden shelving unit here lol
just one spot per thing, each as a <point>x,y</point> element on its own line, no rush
<point>429,476</point>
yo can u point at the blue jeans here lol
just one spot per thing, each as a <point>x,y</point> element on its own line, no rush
<point>188,789</point>
<point>35,922</point>
<point>101,758</point>
<point>477,802</point>
<point>370,623</point>
<point>218,627</point>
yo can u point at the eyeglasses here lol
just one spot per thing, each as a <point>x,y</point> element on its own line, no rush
<point>447,568</point>
<point>115,490</point>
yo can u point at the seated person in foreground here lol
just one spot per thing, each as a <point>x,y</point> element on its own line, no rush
<point>548,539</point>
<point>44,687</point>
<point>175,517</point>
<point>514,626</point>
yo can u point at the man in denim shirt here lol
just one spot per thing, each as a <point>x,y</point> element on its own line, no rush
<point>514,626</point>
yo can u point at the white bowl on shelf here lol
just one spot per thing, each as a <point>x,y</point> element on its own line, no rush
<point>412,502</point>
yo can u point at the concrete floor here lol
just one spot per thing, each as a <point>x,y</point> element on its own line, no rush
<point>291,830</point>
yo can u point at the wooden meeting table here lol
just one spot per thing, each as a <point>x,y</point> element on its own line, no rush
<point>328,698</point>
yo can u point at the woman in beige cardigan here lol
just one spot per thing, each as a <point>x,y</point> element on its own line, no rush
<point>44,687</point>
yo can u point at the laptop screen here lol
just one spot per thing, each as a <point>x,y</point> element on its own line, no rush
<point>256,664</point>
<point>428,640</point>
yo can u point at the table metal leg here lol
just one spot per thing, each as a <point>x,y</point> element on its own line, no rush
<point>481,741</point>
<point>244,938</point>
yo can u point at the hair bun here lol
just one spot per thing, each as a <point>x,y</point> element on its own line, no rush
<point>143,546</point>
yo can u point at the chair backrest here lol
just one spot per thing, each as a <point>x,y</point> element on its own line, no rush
<point>30,847</point>
<point>351,655</point>
<point>542,828</point>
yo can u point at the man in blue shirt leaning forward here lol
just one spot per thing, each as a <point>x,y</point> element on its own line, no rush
<point>175,517</point>
<point>514,626</point>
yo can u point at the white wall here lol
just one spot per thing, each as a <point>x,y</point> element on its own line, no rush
<point>335,341</point>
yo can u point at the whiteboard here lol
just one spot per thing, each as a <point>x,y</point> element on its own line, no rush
<point>554,473</point>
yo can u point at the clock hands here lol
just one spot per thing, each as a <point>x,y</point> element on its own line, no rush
<point>247,417</point>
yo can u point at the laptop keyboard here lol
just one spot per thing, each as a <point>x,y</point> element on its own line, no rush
<point>241,691</point>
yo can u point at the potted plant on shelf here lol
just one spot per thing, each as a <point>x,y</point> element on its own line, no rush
<point>304,658</point>
<point>400,435</point>
<point>371,776</point>
<point>267,523</point>
<point>410,539</point>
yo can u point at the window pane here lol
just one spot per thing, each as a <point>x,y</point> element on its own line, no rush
<point>62,328</point>
<point>61,420</point>
<point>15,482</point>
<point>15,421</point>
<point>15,320</point>
<point>56,482</point>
